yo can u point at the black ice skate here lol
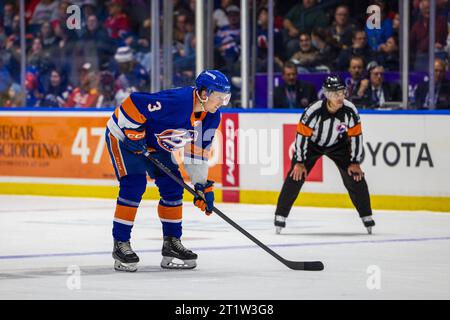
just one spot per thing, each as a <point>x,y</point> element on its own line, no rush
<point>280,223</point>
<point>368,223</point>
<point>174,249</point>
<point>125,258</point>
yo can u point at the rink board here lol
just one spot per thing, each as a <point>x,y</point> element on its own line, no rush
<point>62,153</point>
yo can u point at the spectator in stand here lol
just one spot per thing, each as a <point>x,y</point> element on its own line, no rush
<point>39,59</point>
<point>262,40</point>
<point>189,37</point>
<point>356,70</point>
<point>359,48</point>
<point>305,58</point>
<point>184,64</point>
<point>328,50</point>
<point>86,95</point>
<point>374,92</point>
<point>29,9</point>
<point>141,45</point>
<point>396,25</point>
<point>5,75</point>
<point>303,17</point>
<point>57,91</point>
<point>88,8</point>
<point>227,39</point>
<point>389,54</point>
<point>46,10</point>
<point>441,87</point>
<point>14,97</point>
<point>132,73</point>
<point>11,54</point>
<point>59,25</point>
<point>117,24</point>
<point>179,33</point>
<point>342,29</point>
<point>378,36</point>
<point>106,97</point>
<point>48,39</point>
<point>95,46</point>
<point>220,17</point>
<point>294,93</point>
<point>123,90</point>
<point>138,11</point>
<point>9,11</point>
<point>34,92</point>
<point>419,38</point>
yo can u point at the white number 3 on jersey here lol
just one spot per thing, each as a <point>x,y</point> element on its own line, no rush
<point>156,107</point>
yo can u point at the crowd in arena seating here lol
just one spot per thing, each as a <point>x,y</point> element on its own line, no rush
<point>109,56</point>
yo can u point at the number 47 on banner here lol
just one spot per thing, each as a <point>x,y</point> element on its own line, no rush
<point>80,146</point>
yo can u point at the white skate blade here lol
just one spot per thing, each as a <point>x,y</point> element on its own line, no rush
<point>278,230</point>
<point>174,263</point>
<point>369,230</point>
<point>127,267</point>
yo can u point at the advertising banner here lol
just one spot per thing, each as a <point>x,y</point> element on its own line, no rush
<point>67,145</point>
<point>230,167</point>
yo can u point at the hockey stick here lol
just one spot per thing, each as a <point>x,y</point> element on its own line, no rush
<point>295,265</point>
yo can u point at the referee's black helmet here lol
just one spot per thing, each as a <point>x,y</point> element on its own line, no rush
<point>333,83</point>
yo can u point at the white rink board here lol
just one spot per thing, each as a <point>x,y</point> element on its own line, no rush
<point>418,178</point>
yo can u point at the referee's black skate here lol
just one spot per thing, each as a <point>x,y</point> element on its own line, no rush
<point>176,256</point>
<point>125,259</point>
<point>368,223</point>
<point>280,223</point>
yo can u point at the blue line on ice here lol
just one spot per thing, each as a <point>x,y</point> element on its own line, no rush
<point>305,244</point>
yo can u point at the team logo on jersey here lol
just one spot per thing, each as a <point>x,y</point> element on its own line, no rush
<point>173,139</point>
<point>341,127</point>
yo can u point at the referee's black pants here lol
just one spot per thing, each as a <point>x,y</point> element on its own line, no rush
<point>340,154</point>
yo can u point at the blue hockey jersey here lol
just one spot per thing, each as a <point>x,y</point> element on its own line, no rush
<point>167,121</point>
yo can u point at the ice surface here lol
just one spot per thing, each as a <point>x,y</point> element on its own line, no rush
<point>42,238</point>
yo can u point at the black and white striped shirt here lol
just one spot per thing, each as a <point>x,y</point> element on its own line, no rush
<point>324,129</point>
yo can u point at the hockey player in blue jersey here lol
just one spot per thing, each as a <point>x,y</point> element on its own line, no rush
<point>183,118</point>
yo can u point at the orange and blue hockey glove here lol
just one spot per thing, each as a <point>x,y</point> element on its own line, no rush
<point>205,199</point>
<point>135,141</point>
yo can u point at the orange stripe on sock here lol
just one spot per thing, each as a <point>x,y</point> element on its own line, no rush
<point>117,156</point>
<point>125,213</point>
<point>132,111</point>
<point>170,213</point>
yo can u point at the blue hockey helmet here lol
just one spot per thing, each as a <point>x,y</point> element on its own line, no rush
<point>212,80</point>
<point>216,84</point>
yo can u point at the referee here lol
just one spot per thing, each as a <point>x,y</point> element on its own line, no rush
<point>330,127</point>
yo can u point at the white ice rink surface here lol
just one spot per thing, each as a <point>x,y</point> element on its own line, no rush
<point>41,237</point>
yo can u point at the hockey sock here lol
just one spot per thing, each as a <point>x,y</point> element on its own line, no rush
<point>171,213</point>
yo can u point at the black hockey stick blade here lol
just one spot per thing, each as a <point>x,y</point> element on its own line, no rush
<point>304,265</point>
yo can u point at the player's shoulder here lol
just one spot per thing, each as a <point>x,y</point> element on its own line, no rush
<point>171,99</point>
